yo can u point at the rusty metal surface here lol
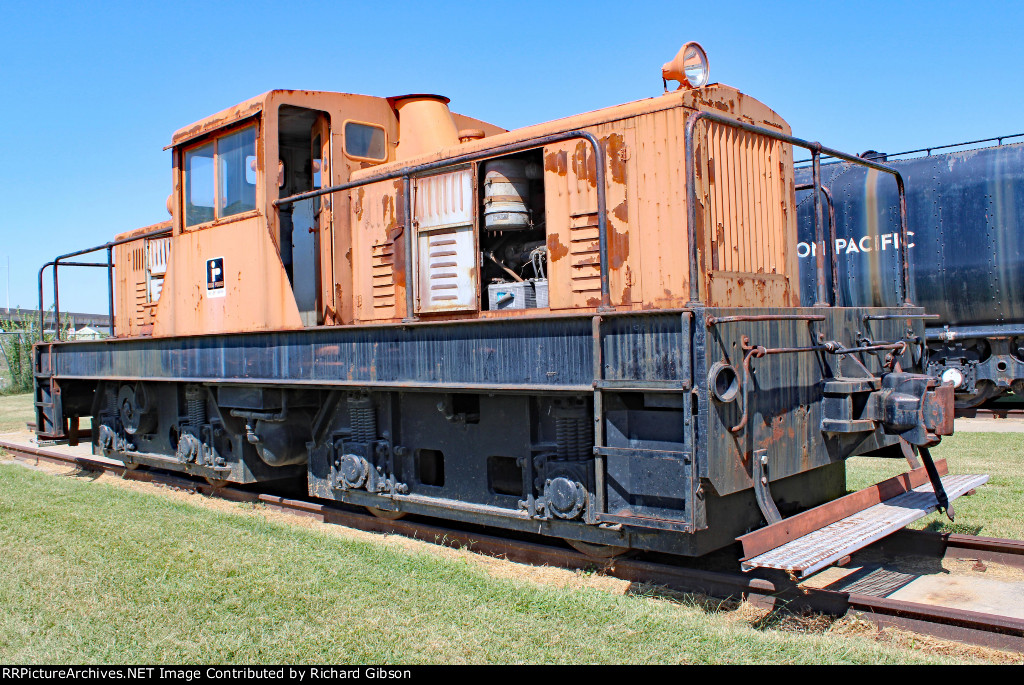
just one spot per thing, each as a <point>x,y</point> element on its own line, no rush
<point>804,523</point>
<point>520,354</point>
<point>784,407</point>
<point>823,547</point>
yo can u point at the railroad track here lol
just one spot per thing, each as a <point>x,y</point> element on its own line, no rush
<point>767,589</point>
<point>1011,412</point>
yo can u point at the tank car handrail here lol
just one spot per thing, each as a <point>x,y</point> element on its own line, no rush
<point>715,320</point>
<point>817,149</point>
<point>880,155</point>
<point>831,233</point>
<point>951,333</point>
<point>890,317</point>
<point>109,265</point>
<point>407,172</point>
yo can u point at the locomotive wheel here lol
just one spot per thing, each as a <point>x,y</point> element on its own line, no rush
<point>385,514</point>
<point>983,392</point>
<point>597,551</point>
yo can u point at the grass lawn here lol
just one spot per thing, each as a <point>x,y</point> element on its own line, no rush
<point>15,410</point>
<point>97,572</point>
<point>995,511</point>
<point>109,571</point>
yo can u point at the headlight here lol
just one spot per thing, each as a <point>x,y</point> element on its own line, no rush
<point>689,67</point>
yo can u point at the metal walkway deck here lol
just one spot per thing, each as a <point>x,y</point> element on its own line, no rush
<point>816,550</point>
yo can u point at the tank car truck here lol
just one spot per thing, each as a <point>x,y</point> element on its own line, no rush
<point>966,211</point>
<point>588,328</point>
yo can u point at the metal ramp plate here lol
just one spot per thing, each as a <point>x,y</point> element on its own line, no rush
<point>825,546</point>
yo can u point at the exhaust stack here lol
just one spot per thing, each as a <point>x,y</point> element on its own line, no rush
<point>424,124</point>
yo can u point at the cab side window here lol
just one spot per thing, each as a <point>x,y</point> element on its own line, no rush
<point>199,185</point>
<point>220,177</point>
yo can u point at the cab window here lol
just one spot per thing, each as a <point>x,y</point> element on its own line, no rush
<point>365,141</point>
<point>220,177</point>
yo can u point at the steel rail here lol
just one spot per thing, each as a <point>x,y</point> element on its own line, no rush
<point>771,590</point>
<point>1006,412</point>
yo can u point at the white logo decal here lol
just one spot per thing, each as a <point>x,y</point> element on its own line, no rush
<point>847,246</point>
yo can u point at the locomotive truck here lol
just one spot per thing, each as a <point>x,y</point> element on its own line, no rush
<point>588,328</point>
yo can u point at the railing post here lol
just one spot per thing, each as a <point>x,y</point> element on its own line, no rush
<point>56,303</point>
<point>42,269</point>
<point>904,256</point>
<point>110,284</point>
<point>691,206</point>
<point>410,311</point>
<point>821,298</point>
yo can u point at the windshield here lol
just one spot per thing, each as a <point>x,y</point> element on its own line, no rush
<point>220,177</point>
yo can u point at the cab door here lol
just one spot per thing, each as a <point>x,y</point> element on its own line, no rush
<point>323,225</point>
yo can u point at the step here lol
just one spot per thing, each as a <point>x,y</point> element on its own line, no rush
<point>823,547</point>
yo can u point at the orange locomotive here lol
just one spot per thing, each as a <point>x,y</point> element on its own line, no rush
<point>588,328</point>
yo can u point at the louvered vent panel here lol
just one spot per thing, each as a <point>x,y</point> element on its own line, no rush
<point>585,253</point>
<point>382,274</point>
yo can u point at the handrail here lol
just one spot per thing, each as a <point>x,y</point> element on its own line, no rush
<point>109,265</point>
<point>885,155</point>
<point>817,149</point>
<point>831,235</point>
<point>407,172</point>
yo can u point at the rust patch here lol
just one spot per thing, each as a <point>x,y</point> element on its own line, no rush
<point>556,250</point>
<point>618,247</point>
<point>358,208</point>
<point>593,301</point>
<point>387,211</point>
<point>627,295</point>
<point>584,165</point>
<point>556,163</point>
<point>616,149</point>
<point>395,230</point>
<point>621,212</point>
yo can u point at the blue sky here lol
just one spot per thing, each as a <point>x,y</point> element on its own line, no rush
<point>93,91</point>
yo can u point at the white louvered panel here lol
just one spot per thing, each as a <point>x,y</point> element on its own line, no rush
<point>446,251</point>
<point>157,252</point>
<point>447,270</point>
<point>444,200</point>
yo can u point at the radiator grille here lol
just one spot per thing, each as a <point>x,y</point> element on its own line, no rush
<point>746,201</point>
